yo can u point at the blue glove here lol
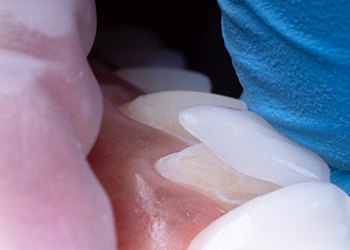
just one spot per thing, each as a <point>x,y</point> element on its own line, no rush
<point>293,61</point>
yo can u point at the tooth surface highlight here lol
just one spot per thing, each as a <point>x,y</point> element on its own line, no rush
<point>155,79</point>
<point>198,168</point>
<point>160,110</point>
<point>246,142</point>
<point>314,215</point>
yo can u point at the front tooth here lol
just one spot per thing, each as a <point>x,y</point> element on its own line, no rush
<point>155,79</point>
<point>304,216</point>
<point>161,110</point>
<point>198,168</point>
<point>246,142</point>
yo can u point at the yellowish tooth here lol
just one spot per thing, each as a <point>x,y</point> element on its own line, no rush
<point>198,168</point>
<point>161,110</point>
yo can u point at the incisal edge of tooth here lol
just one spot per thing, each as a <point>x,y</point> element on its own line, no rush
<point>246,142</point>
<point>155,79</point>
<point>161,110</point>
<point>198,168</point>
<point>313,215</point>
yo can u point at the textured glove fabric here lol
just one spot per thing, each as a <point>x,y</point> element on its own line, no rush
<point>293,61</point>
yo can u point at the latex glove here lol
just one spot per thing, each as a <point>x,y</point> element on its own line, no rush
<point>293,60</point>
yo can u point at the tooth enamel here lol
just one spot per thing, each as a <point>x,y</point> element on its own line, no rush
<point>304,216</point>
<point>198,168</point>
<point>155,79</point>
<point>160,110</point>
<point>246,142</point>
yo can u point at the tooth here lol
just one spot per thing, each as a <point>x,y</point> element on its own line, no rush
<point>155,79</point>
<point>304,216</point>
<point>160,110</point>
<point>198,168</point>
<point>246,142</point>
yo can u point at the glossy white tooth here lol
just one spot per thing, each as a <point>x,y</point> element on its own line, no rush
<point>155,79</point>
<point>306,216</point>
<point>152,57</point>
<point>198,168</point>
<point>161,110</point>
<point>246,142</point>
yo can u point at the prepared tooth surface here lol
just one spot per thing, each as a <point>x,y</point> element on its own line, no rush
<point>156,79</point>
<point>314,215</point>
<point>246,142</point>
<point>160,110</point>
<point>197,167</point>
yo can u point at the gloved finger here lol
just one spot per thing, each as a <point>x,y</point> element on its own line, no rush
<point>293,64</point>
<point>341,178</point>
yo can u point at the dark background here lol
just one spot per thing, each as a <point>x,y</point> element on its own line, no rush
<point>191,26</point>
